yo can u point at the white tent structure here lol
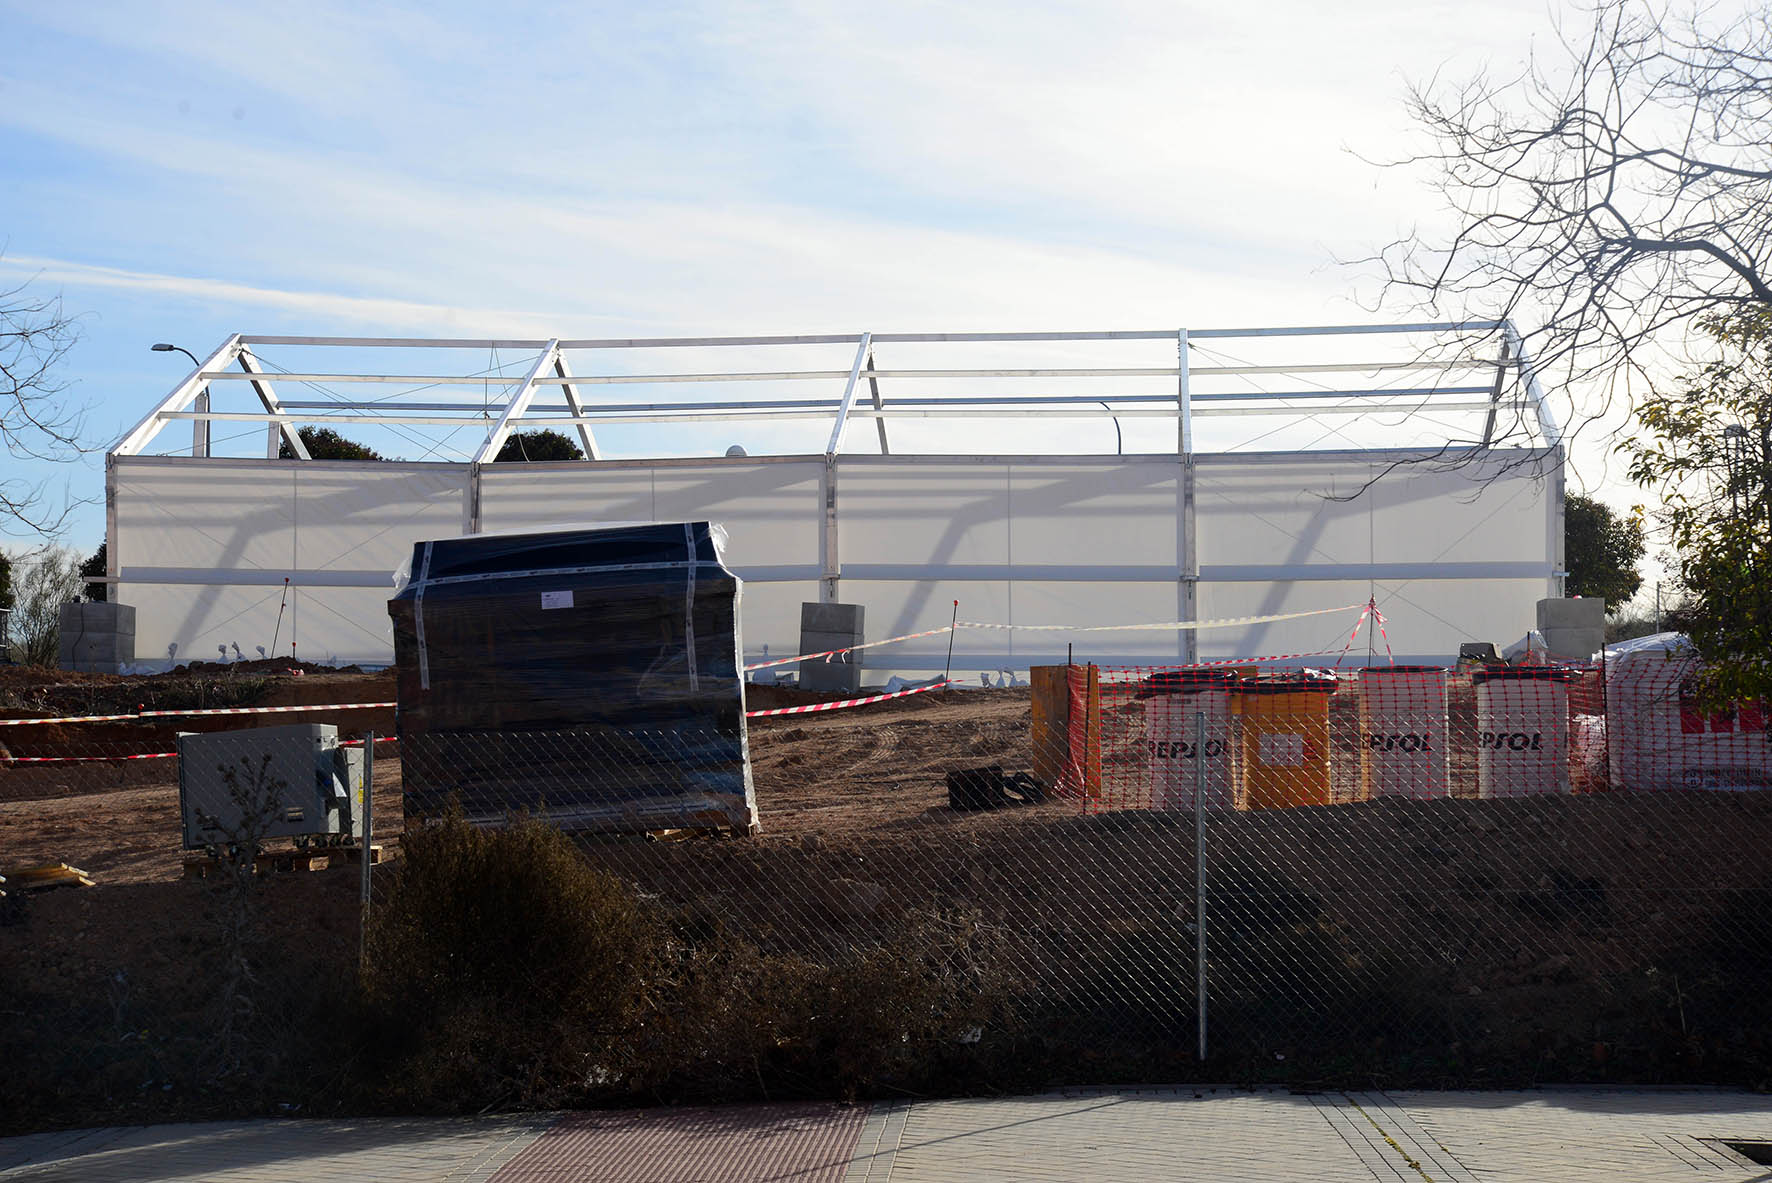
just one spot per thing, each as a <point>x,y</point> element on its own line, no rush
<point>1075,479</point>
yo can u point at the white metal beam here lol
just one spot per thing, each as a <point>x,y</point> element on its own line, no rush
<point>819,408</point>
<point>1083,412</point>
<point>879,405</point>
<point>842,420</point>
<point>182,396</point>
<point>1553,435</point>
<point>516,405</point>
<point>1413,364</point>
<point>268,397</point>
<point>834,339</point>
<point>575,405</point>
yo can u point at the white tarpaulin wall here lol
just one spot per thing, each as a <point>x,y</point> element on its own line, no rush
<point>202,546</point>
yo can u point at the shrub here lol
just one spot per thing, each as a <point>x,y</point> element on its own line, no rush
<point>503,969</point>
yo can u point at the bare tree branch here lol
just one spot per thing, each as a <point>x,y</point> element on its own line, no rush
<point>1602,200</point>
<point>38,421</point>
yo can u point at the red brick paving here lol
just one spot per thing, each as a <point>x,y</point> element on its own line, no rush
<point>800,1143</point>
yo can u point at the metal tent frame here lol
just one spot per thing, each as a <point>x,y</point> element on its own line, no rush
<point>1509,383</point>
<point>1403,371</point>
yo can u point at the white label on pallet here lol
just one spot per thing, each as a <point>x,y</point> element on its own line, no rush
<point>1282,751</point>
<point>559,599</point>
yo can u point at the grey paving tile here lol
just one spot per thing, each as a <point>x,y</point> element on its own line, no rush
<point>795,1142</point>
<point>1646,1135</point>
<point>1125,1137</point>
<point>1110,1136</point>
<point>265,1151</point>
<point>876,1148</point>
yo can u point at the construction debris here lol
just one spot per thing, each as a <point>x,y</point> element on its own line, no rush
<point>47,876</point>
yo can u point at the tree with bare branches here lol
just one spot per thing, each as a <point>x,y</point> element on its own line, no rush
<point>37,420</point>
<point>1605,198</point>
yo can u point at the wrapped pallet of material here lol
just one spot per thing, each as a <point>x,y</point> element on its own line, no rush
<point>1187,720</point>
<point>1660,736</point>
<point>588,676</point>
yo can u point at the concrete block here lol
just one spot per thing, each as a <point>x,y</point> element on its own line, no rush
<point>96,638</point>
<point>1575,644</point>
<point>830,626</point>
<point>96,647</point>
<point>1584,613</point>
<point>832,618</point>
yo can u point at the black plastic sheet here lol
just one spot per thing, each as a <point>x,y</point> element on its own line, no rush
<point>590,676</point>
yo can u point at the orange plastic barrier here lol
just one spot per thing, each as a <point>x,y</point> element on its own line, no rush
<point>1285,740</point>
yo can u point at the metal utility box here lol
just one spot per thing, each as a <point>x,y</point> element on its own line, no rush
<point>269,782</point>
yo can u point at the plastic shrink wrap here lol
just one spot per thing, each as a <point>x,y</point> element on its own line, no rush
<point>590,676</point>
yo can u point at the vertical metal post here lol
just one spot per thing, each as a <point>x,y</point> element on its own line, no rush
<point>1200,874</point>
<point>830,565</point>
<point>1187,554</point>
<point>113,564</point>
<point>367,840</point>
<point>473,506</point>
<point>200,427</point>
<point>1557,506</point>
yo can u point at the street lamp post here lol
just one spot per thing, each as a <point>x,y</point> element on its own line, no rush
<point>1734,456</point>
<point>199,427</point>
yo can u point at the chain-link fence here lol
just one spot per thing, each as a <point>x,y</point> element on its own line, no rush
<point>1415,874</point>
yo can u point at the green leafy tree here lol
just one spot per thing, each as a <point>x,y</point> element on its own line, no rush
<point>538,445</point>
<point>94,568</point>
<point>323,443</point>
<point>1601,550</point>
<point>1706,448</point>
<point>5,582</point>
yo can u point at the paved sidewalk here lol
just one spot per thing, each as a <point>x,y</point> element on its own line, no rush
<point>1106,1135</point>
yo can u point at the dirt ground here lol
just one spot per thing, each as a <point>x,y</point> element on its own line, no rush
<point>1540,919</point>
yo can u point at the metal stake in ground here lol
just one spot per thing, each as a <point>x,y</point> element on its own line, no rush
<point>953,625</point>
<point>279,629</point>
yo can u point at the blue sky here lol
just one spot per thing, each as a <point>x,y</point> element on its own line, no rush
<point>179,171</point>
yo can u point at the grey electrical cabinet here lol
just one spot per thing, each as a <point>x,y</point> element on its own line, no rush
<point>236,787</point>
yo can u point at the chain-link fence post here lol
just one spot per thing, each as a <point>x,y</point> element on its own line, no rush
<point>367,842</point>
<point>1200,876</point>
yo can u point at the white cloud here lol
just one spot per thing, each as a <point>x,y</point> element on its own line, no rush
<point>330,306</point>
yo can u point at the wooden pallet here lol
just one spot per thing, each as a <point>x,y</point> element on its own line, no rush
<point>47,876</point>
<point>287,861</point>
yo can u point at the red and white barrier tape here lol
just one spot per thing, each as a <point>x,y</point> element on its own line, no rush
<point>1224,661</point>
<point>1160,626</point>
<point>1172,625</point>
<point>810,707</point>
<point>1353,635</point>
<point>334,706</point>
<point>349,743</point>
<point>321,706</point>
<point>83,759</point>
<point>1379,617</point>
<point>66,719</point>
<point>830,653</point>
